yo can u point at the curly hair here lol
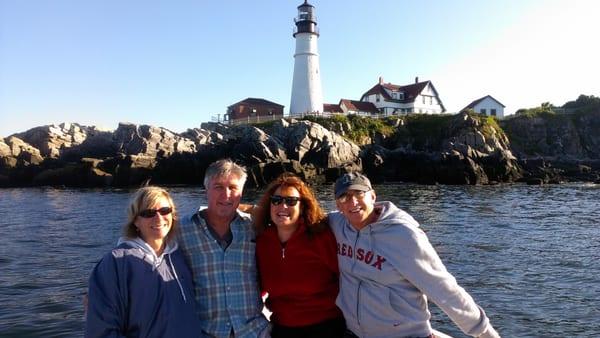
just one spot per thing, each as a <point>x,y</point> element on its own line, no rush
<point>143,199</point>
<point>310,210</point>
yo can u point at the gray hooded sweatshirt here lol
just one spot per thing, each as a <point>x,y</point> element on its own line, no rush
<point>388,271</point>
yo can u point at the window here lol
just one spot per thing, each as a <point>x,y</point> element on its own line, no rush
<point>423,99</point>
<point>377,98</point>
<point>483,111</point>
<point>401,96</point>
<point>431,100</point>
<point>493,112</point>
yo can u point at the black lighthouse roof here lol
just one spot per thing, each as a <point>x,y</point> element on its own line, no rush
<point>306,21</point>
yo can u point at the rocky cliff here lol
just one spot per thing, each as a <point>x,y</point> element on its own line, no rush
<point>457,149</point>
<point>556,147</point>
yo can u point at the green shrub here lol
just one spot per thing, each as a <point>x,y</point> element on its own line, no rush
<point>361,127</point>
<point>427,131</point>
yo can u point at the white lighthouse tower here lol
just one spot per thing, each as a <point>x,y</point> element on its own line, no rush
<point>307,96</point>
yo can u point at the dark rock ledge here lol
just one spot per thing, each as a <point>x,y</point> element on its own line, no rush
<point>465,151</point>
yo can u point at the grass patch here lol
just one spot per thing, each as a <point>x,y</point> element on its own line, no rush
<point>356,128</point>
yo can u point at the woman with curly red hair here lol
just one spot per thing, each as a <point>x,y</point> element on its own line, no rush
<point>297,261</point>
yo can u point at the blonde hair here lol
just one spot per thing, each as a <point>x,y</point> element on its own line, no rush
<point>143,199</point>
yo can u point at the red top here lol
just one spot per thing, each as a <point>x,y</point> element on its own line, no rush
<point>301,276</point>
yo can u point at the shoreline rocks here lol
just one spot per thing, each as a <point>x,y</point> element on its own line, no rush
<point>464,150</point>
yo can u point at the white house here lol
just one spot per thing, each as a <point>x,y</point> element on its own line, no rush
<point>391,99</point>
<point>487,105</point>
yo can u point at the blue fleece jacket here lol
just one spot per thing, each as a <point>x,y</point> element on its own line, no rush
<point>134,293</point>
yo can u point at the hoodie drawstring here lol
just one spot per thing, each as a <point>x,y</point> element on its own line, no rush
<point>177,279</point>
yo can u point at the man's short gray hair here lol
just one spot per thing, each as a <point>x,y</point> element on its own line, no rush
<point>223,168</point>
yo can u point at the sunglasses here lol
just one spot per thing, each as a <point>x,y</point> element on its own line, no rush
<point>358,194</point>
<point>290,201</point>
<point>149,213</point>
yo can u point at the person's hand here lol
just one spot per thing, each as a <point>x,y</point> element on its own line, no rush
<point>247,208</point>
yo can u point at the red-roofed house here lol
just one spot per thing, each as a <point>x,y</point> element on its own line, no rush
<point>391,99</point>
<point>487,105</point>
<point>358,107</point>
<point>332,108</point>
<point>252,110</point>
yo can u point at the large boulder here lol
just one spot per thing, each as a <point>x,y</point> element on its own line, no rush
<point>310,143</point>
<point>4,149</point>
<point>82,174</point>
<point>202,137</point>
<point>51,140</point>
<point>131,139</point>
<point>21,152</point>
<point>262,174</point>
<point>97,144</point>
<point>253,146</point>
<point>129,170</point>
<point>422,167</point>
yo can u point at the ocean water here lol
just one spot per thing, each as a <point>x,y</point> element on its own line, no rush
<point>529,255</point>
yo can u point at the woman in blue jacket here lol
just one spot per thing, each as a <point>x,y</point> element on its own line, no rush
<point>143,288</point>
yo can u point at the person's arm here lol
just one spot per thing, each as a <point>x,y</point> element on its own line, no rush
<point>247,208</point>
<point>422,266</point>
<point>330,251</point>
<point>106,305</point>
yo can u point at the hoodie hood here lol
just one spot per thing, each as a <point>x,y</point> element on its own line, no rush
<point>149,255</point>
<point>389,214</point>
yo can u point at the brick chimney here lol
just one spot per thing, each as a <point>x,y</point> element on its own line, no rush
<point>381,80</point>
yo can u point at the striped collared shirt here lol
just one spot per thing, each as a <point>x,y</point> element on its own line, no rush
<point>225,281</point>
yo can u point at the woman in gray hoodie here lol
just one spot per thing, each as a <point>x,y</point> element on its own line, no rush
<point>143,288</point>
<point>389,270</point>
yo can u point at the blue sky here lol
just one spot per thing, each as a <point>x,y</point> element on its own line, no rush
<point>176,64</point>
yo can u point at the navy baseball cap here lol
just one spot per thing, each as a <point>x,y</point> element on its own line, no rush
<point>351,181</point>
